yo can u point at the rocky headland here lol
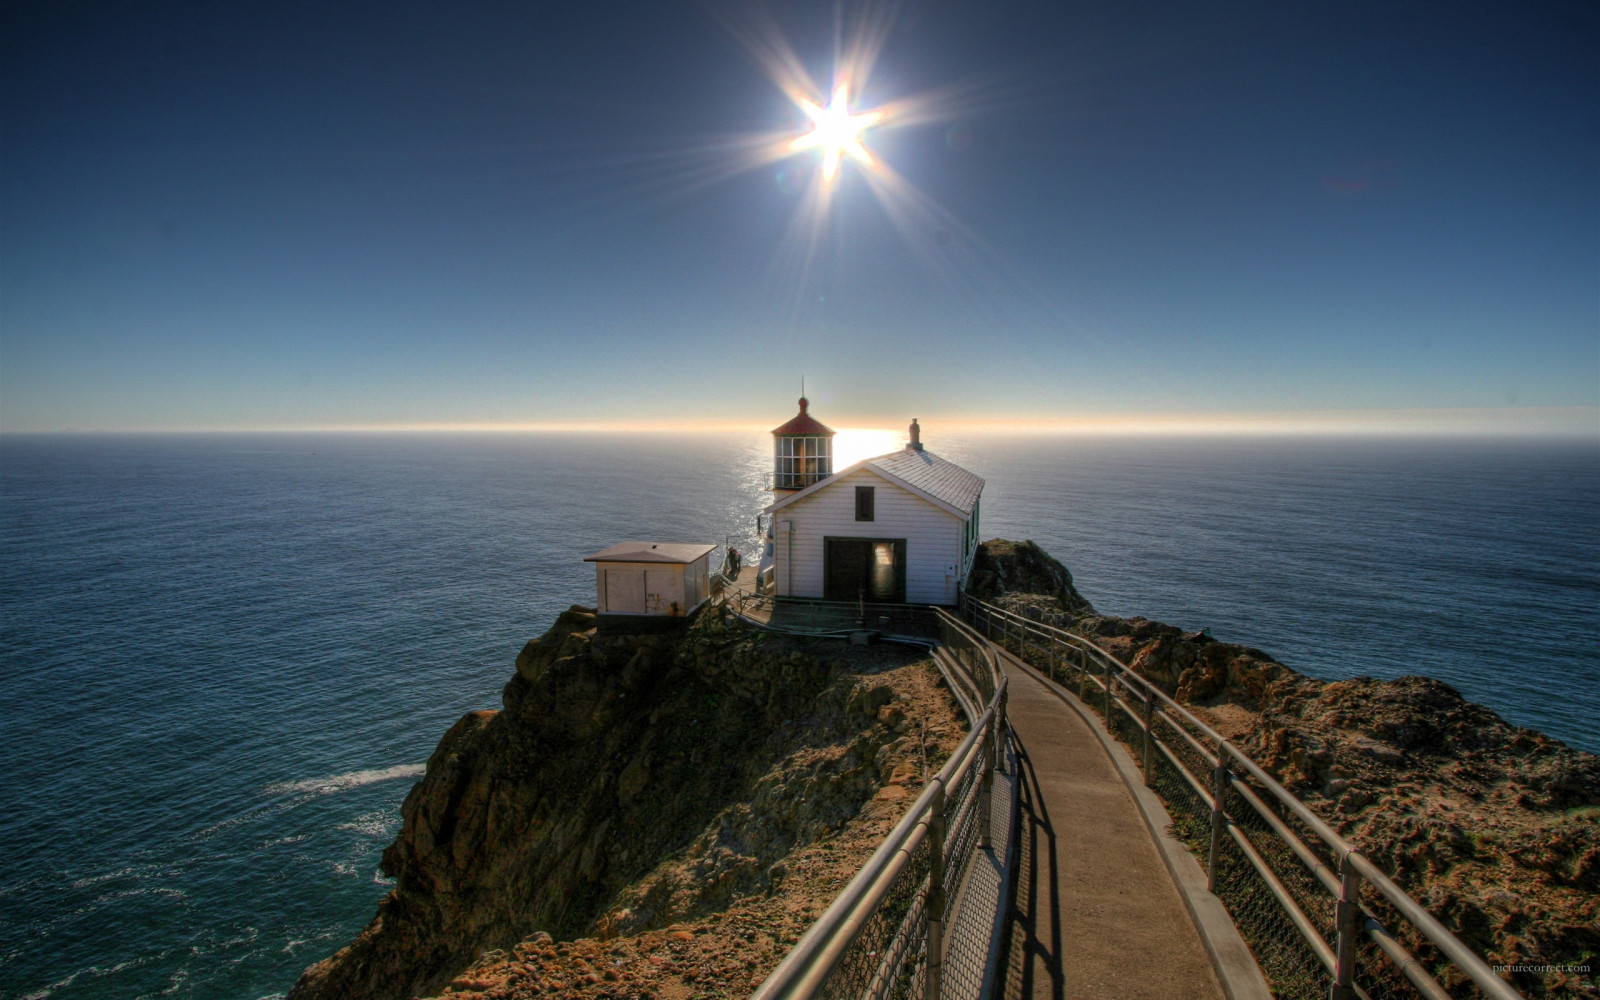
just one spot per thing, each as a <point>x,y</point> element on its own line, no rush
<point>663,816</point>
<point>1493,827</point>
<point>646,815</point>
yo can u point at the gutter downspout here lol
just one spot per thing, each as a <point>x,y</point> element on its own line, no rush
<point>788,558</point>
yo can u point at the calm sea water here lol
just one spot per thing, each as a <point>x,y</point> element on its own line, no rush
<point>224,659</point>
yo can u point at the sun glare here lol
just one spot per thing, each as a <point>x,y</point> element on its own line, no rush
<point>852,444</point>
<point>836,128</point>
<point>836,132</point>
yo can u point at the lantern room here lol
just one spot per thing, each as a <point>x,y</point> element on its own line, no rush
<point>802,452</point>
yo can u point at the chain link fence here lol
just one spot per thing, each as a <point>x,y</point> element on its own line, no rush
<point>1315,912</point>
<point>884,937</point>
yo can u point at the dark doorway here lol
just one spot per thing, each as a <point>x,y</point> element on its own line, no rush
<point>871,569</point>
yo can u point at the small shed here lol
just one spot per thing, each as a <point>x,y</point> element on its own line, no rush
<point>655,579</point>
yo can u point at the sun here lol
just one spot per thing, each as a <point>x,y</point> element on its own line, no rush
<point>836,132</point>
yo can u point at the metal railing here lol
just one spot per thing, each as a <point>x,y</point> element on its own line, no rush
<point>1315,911</point>
<point>806,616</point>
<point>884,936</point>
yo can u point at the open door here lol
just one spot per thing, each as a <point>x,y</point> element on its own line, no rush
<point>870,569</point>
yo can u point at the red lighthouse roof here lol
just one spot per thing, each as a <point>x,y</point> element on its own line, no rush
<point>803,424</point>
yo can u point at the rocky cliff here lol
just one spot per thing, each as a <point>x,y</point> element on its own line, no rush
<point>633,788</point>
<point>1495,828</point>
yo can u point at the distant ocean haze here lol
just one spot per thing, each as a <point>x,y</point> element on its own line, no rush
<point>225,658</point>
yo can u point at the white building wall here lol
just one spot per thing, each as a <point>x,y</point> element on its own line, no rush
<point>933,537</point>
<point>695,588</point>
<point>658,587</point>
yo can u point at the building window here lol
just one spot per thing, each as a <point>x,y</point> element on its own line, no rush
<point>864,503</point>
<point>801,461</point>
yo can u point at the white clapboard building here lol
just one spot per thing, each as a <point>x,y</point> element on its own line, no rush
<point>654,579</point>
<point>901,527</point>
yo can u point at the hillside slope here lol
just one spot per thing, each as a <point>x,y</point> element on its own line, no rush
<point>634,782</point>
<point>1494,827</point>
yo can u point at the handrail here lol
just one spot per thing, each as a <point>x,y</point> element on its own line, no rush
<point>1353,919</point>
<point>807,966</point>
<point>742,602</point>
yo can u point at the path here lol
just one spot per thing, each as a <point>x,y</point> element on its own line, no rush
<point>1096,912</point>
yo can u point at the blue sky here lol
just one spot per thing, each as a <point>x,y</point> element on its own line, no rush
<point>416,214</point>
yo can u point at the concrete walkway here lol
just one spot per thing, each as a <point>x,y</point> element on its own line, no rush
<point>1096,911</point>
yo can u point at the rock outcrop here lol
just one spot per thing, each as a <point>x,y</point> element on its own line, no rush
<point>1002,567</point>
<point>1495,828</point>
<point>632,782</point>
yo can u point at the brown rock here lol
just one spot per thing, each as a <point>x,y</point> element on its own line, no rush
<point>611,754</point>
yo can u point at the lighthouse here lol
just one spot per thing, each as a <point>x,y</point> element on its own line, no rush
<point>802,452</point>
<point>899,528</point>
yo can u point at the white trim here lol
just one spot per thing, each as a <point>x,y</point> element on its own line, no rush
<point>866,463</point>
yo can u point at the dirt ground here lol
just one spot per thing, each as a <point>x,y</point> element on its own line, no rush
<point>728,953</point>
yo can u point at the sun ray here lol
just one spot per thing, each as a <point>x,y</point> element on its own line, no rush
<point>836,132</point>
<point>832,127</point>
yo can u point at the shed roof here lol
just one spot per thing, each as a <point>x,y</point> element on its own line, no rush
<point>922,472</point>
<point>803,423</point>
<point>651,552</point>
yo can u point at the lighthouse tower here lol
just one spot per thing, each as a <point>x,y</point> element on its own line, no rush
<point>802,451</point>
<point>802,454</point>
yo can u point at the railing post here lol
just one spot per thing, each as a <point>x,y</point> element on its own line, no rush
<point>1347,916</point>
<point>1149,705</point>
<point>1000,727</point>
<point>1219,784</point>
<point>935,906</point>
<point>1108,696</point>
<point>986,790</point>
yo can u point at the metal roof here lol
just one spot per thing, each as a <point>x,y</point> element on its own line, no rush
<point>922,472</point>
<point>803,424</point>
<point>651,552</point>
<point>935,476</point>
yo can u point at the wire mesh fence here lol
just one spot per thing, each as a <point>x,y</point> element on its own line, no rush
<point>886,955</point>
<point>832,618</point>
<point>1279,870</point>
<point>884,936</point>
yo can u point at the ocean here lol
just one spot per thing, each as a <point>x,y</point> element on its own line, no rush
<point>224,659</point>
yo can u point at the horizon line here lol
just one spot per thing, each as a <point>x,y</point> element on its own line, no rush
<point>1550,421</point>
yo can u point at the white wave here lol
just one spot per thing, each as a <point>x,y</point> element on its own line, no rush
<point>94,971</point>
<point>349,779</point>
<point>175,982</point>
<point>380,823</point>
<point>43,992</point>
<point>166,891</point>
<point>139,871</point>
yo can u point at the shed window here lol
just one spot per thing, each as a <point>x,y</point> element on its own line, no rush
<point>864,503</point>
